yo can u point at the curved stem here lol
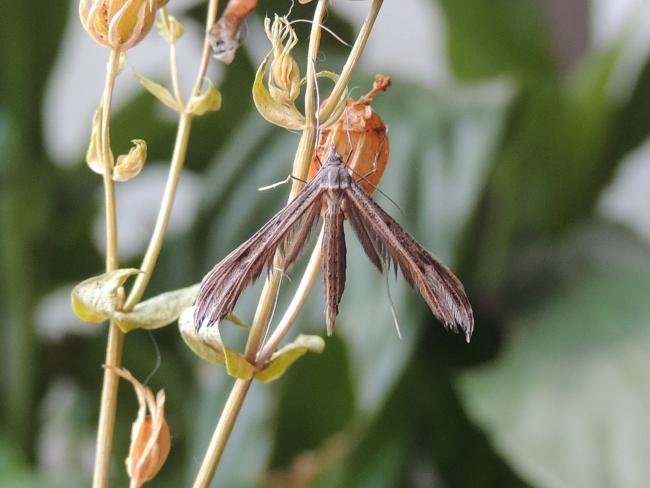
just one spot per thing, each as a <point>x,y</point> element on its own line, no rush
<point>222,433</point>
<point>115,340</point>
<point>211,18</point>
<point>158,235</point>
<point>353,59</point>
<point>177,163</point>
<point>173,65</point>
<point>297,302</point>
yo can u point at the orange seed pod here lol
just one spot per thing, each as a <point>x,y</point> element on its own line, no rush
<point>360,137</point>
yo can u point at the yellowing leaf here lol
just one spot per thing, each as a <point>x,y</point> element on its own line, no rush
<point>158,311</point>
<point>237,366</point>
<point>289,354</point>
<point>96,299</point>
<point>207,101</point>
<point>207,345</point>
<point>160,92</point>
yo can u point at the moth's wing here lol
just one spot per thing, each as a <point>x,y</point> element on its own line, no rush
<point>443,292</point>
<point>223,285</point>
<point>373,247</point>
<point>333,262</point>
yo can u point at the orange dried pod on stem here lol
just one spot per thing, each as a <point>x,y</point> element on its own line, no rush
<point>360,137</point>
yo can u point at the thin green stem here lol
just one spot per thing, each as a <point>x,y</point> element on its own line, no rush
<point>115,339</point>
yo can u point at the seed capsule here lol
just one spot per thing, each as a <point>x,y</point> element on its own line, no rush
<point>118,24</point>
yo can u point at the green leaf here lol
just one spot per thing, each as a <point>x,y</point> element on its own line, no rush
<point>289,354</point>
<point>158,311</point>
<point>96,299</point>
<point>487,39</point>
<point>160,92</point>
<point>567,401</point>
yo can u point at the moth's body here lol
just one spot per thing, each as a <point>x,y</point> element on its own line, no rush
<point>334,194</point>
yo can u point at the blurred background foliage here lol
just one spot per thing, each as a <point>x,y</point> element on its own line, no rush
<point>510,170</point>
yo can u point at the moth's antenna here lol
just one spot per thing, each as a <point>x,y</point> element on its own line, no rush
<point>326,29</point>
<point>280,183</point>
<point>158,358</point>
<point>275,305</point>
<point>391,304</point>
<point>317,139</point>
<point>377,189</point>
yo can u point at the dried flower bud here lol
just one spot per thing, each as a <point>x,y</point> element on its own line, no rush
<point>360,137</point>
<point>129,165</point>
<point>118,24</point>
<point>284,74</point>
<point>150,438</point>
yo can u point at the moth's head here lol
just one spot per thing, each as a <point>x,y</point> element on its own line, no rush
<point>333,157</point>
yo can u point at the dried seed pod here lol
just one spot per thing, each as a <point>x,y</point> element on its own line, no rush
<point>360,137</point>
<point>150,438</point>
<point>118,24</point>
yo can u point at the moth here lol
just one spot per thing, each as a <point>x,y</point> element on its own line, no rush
<point>334,194</point>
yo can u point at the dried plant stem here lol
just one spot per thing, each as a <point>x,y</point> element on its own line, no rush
<point>115,340</point>
<point>173,65</point>
<point>297,302</point>
<point>353,59</point>
<point>302,159</point>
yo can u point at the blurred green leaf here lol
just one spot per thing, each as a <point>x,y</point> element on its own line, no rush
<point>494,38</point>
<point>566,402</point>
<point>632,122</point>
<point>250,444</point>
<point>551,167</point>
<point>316,401</point>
